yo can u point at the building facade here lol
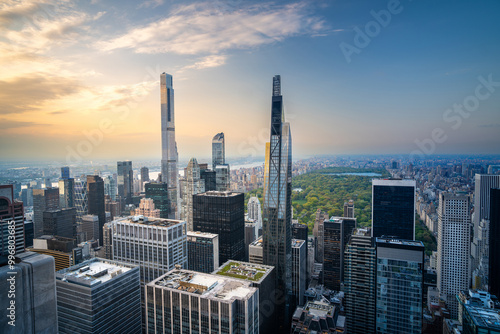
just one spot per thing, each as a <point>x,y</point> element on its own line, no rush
<point>218,150</point>
<point>191,185</point>
<point>10,211</point>
<point>400,279</point>
<point>125,181</point>
<point>299,271</point>
<point>337,232</point>
<point>43,199</point>
<point>183,301</point>
<point>276,229</point>
<point>169,156</point>
<point>158,192</point>
<point>494,244</point>
<point>61,222</point>
<point>155,244</point>
<point>222,213</point>
<point>95,202</point>
<point>393,209</point>
<point>360,283</point>
<point>35,308</point>
<point>99,296</point>
<point>453,263</point>
<point>203,251</point>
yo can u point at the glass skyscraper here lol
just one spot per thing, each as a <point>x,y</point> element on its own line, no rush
<point>400,281</point>
<point>169,157</point>
<point>218,150</point>
<point>277,234</point>
<point>393,209</point>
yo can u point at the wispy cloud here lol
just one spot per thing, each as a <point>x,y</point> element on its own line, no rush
<point>207,62</point>
<point>8,124</point>
<point>150,4</point>
<point>204,29</point>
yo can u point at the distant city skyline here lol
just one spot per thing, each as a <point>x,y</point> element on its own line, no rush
<point>80,80</point>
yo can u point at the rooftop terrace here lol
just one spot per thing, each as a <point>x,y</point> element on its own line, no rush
<point>244,270</point>
<point>207,285</point>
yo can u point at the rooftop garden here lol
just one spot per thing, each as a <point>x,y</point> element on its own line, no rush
<point>241,271</point>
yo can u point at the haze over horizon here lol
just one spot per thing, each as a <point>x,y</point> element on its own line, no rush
<point>89,72</point>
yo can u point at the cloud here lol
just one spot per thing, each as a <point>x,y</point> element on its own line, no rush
<point>151,4</point>
<point>204,29</point>
<point>28,93</point>
<point>207,62</point>
<point>8,124</point>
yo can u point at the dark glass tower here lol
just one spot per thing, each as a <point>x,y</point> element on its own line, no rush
<point>222,213</point>
<point>337,232</point>
<point>158,192</point>
<point>393,209</point>
<point>125,181</point>
<point>95,193</point>
<point>494,275</point>
<point>276,227</point>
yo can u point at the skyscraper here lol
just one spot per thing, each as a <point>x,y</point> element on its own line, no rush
<point>483,184</point>
<point>494,247</point>
<point>95,193</point>
<point>349,209</point>
<point>184,301</point>
<point>337,232</point>
<point>81,199</point>
<point>400,280</point>
<point>191,185</point>
<point>64,172</point>
<point>218,150</point>
<point>222,178</point>
<point>359,283</point>
<point>169,156</point>
<point>203,251</point>
<point>43,199</point>
<point>255,213</point>
<point>60,222</point>
<point>277,234</point>
<point>67,193</point>
<point>222,213</point>
<point>393,209</point>
<point>299,271</point>
<point>453,267</point>
<point>125,181</point>
<point>35,307</point>
<point>144,174</point>
<point>108,295</point>
<point>10,210</point>
<point>158,192</point>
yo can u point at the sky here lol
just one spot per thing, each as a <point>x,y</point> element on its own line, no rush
<point>79,80</point>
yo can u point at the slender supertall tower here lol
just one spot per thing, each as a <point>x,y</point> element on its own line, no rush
<point>277,234</point>
<point>169,174</point>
